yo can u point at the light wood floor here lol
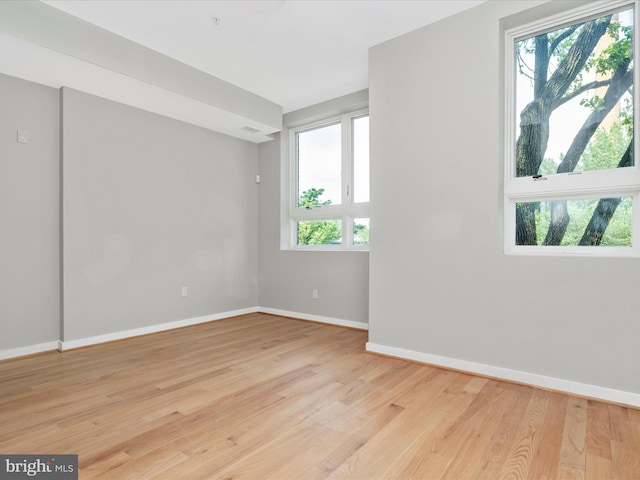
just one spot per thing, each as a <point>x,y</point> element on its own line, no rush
<point>261,396</point>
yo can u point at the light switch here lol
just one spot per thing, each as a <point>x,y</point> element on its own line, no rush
<point>23,136</point>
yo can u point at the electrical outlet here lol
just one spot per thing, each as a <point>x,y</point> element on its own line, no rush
<point>184,291</point>
<point>314,294</point>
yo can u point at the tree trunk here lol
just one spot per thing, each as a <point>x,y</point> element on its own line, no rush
<point>599,221</point>
<point>604,210</point>
<point>534,119</point>
<point>560,219</point>
<point>620,83</point>
<point>526,224</point>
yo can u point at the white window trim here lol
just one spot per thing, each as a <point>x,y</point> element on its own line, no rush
<point>347,211</point>
<point>567,186</point>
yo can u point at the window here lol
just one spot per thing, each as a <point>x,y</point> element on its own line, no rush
<point>572,185</point>
<point>329,205</point>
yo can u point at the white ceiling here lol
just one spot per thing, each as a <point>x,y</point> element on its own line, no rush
<point>294,53</point>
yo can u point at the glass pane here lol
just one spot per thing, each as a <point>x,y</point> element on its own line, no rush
<point>361,159</point>
<point>574,102</point>
<point>361,231</point>
<point>590,222</point>
<point>319,166</point>
<point>320,232</point>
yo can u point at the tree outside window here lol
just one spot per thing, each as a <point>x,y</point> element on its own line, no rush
<point>574,123</point>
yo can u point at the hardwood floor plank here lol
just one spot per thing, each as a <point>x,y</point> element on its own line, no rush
<point>624,446</point>
<point>598,430</point>
<point>468,448</point>
<point>598,468</point>
<point>415,422</point>
<point>430,452</point>
<point>373,458</point>
<point>261,396</point>
<point>327,464</point>
<point>107,464</point>
<point>598,455</point>
<point>522,453</point>
<point>495,454</point>
<point>547,459</point>
<point>573,449</point>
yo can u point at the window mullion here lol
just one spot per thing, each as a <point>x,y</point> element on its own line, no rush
<point>325,212</point>
<point>347,179</point>
<point>347,160</point>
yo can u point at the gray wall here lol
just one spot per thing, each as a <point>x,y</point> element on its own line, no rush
<point>287,278</point>
<point>439,281</point>
<point>29,206</point>
<point>150,205</point>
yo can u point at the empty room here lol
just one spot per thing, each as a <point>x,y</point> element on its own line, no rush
<point>319,239</point>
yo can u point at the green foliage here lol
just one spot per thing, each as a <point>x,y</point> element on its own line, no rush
<point>548,166</point>
<point>311,198</point>
<point>618,53</point>
<point>360,234</point>
<point>605,149</point>
<point>626,113</point>
<point>618,232</point>
<point>319,232</point>
<point>595,103</point>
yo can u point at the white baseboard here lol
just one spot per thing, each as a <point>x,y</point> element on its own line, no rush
<point>28,350</point>
<point>315,318</point>
<point>542,381</point>
<point>109,337</point>
<point>550,383</point>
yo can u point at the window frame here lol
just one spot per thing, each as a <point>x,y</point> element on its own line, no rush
<point>346,211</point>
<point>616,182</point>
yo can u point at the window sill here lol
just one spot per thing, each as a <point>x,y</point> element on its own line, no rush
<point>324,248</point>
